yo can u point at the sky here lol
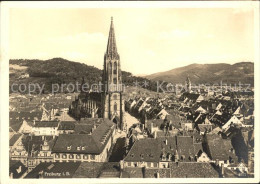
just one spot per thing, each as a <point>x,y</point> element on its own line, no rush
<point>149,40</point>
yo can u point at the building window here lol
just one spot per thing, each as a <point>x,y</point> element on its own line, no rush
<point>115,96</point>
<point>92,157</point>
<point>85,157</point>
<point>115,107</point>
<point>110,67</point>
<point>115,67</point>
<point>115,80</point>
<point>78,156</point>
<point>71,156</point>
<point>64,156</point>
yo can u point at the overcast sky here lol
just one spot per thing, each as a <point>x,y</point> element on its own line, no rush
<point>148,40</point>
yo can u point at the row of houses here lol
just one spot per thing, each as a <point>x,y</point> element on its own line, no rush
<point>214,120</point>
<point>88,140</point>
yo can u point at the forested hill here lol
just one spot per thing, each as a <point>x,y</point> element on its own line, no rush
<point>209,73</point>
<point>62,71</point>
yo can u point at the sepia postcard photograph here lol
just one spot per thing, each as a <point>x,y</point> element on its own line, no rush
<point>130,92</point>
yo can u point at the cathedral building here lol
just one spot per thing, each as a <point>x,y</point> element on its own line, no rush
<point>107,102</point>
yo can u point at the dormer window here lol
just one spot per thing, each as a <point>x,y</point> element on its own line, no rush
<point>78,148</point>
<point>182,157</point>
<point>83,147</point>
<point>142,156</point>
<point>169,157</point>
<point>231,150</point>
<point>163,157</point>
<point>68,147</point>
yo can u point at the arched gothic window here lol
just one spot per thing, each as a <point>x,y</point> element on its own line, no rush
<point>115,80</point>
<point>115,106</point>
<point>115,67</point>
<point>110,67</point>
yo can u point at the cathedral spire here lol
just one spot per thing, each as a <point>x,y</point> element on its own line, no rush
<point>188,84</point>
<point>111,44</point>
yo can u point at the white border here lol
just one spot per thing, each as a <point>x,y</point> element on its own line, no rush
<point>4,72</point>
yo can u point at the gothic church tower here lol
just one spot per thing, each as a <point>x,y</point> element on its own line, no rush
<point>188,84</point>
<point>112,102</point>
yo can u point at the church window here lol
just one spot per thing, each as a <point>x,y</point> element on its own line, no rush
<point>110,67</point>
<point>115,80</point>
<point>115,96</point>
<point>115,68</point>
<point>115,107</point>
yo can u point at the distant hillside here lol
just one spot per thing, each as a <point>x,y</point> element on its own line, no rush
<point>209,73</point>
<point>62,71</point>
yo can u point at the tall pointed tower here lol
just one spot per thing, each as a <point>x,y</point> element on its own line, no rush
<point>113,106</point>
<point>188,84</point>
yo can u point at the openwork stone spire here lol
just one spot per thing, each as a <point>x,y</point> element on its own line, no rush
<point>111,44</point>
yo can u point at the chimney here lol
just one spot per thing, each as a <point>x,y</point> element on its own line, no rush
<point>121,165</point>
<point>176,157</point>
<point>142,126</point>
<point>41,174</point>
<point>166,141</point>
<point>222,169</point>
<point>151,128</point>
<point>92,113</point>
<point>155,134</point>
